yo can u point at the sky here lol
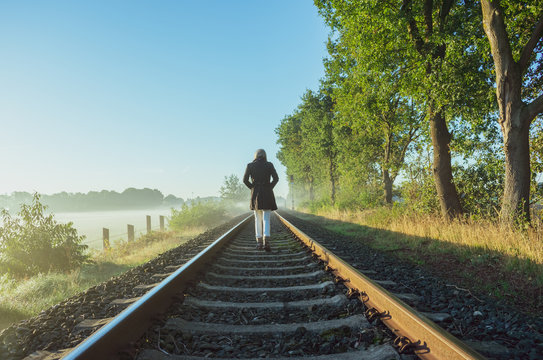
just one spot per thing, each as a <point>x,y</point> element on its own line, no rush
<point>170,95</point>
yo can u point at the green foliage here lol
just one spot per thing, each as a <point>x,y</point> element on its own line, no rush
<point>536,147</point>
<point>366,198</point>
<point>418,192</point>
<point>34,242</point>
<point>308,143</point>
<point>395,71</point>
<point>207,213</point>
<point>520,19</point>
<point>233,190</point>
<point>480,186</point>
<point>394,64</point>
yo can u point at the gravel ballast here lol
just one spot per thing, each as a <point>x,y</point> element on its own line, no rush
<point>491,327</point>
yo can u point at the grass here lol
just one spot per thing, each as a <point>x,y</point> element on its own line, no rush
<point>498,260</point>
<point>21,299</point>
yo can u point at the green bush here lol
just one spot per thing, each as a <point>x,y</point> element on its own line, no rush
<point>366,197</point>
<point>418,192</point>
<point>197,214</point>
<point>34,242</point>
<point>480,187</point>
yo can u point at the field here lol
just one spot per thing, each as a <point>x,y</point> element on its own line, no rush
<point>91,223</point>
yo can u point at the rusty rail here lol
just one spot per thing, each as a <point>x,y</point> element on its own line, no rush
<point>130,324</point>
<point>413,330</point>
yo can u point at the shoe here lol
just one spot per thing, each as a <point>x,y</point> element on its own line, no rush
<point>259,247</point>
<point>267,243</point>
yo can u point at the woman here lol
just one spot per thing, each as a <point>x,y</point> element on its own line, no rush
<point>262,199</point>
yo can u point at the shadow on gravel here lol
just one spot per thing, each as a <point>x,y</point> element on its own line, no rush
<point>517,281</point>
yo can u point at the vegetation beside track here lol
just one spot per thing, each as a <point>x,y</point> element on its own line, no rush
<point>478,256</point>
<point>24,298</point>
<point>27,290</point>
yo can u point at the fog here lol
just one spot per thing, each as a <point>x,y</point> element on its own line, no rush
<point>91,223</point>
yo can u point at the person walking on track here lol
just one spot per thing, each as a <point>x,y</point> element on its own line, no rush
<point>257,178</point>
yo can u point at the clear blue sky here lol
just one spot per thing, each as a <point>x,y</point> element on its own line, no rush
<point>172,95</point>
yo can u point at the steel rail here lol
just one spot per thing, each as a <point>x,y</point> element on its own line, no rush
<point>131,323</point>
<point>413,329</point>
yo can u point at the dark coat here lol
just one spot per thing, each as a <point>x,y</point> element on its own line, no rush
<point>259,172</point>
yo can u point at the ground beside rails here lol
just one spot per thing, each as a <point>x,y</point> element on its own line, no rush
<point>242,303</point>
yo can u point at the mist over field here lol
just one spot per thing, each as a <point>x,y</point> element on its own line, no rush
<point>91,212</point>
<point>90,223</point>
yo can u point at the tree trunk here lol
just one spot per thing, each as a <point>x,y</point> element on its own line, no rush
<point>387,181</point>
<point>446,190</point>
<point>515,127</point>
<point>515,116</point>
<point>388,186</point>
<point>516,196</point>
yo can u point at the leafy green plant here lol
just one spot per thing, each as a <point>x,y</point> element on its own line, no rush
<point>481,187</point>
<point>232,189</point>
<point>197,214</point>
<point>33,242</point>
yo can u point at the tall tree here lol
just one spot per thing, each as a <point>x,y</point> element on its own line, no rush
<point>294,154</point>
<point>517,51</point>
<point>318,132</point>
<point>308,146</point>
<point>430,41</point>
<point>370,103</point>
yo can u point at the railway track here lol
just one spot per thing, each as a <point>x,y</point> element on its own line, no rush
<point>231,300</point>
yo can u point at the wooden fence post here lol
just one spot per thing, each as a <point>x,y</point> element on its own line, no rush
<point>161,222</point>
<point>105,237</point>
<point>130,232</point>
<point>148,224</point>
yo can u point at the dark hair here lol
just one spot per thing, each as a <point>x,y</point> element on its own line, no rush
<point>260,154</point>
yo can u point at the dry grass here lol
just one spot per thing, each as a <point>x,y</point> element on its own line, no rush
<point>147,247</point>
<point>525,244</point>
<point>499,261</point>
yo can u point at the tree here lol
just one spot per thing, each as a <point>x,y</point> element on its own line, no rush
<point>233,189</point>
<point>517,51</point>
<point>370,103</point>
<point>318,132</point>
<point>294,154</point>
<point>429,43</point>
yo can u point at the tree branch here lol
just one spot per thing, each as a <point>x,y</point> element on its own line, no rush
<point>428,20</point>
<point>445,10</point>
<point>530,45</point>
<point>412,25</point>
<point>534,108</point>
<point>496,32</point>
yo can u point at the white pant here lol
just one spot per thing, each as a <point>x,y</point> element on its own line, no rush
<point>262,220</point>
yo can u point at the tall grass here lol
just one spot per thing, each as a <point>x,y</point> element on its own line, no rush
<point>519,249</point>
<point>21,299</point>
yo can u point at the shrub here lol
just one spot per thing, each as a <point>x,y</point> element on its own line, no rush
<point>197,214</point>
<point>34,242</point>
<point>419,194</point>
<point>480,187</point>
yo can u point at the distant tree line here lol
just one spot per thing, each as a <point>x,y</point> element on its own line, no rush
<point>130,198</point>
<point>445,95</point>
